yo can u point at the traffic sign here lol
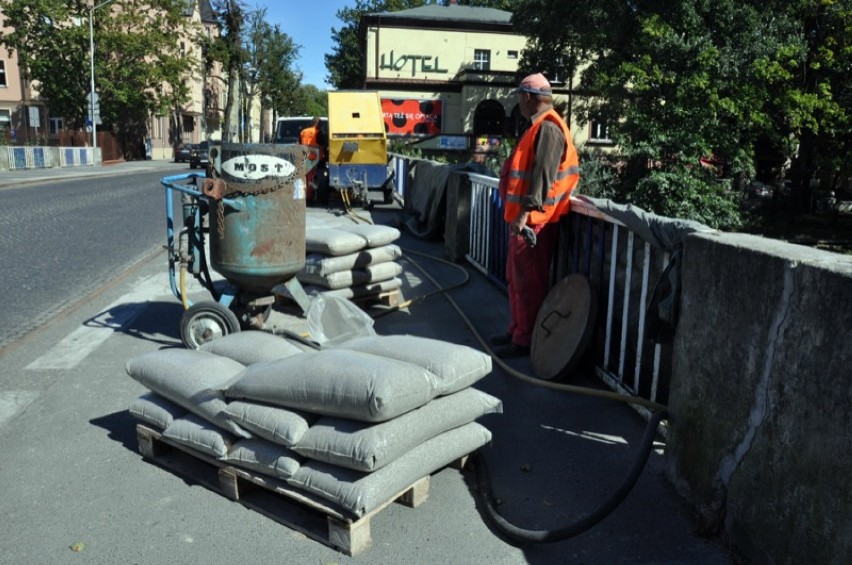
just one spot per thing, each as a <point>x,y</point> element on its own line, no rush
<point>95,107</point>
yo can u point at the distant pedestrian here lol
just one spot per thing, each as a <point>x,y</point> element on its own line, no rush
<point>313,135</point>
<point>535,184</point>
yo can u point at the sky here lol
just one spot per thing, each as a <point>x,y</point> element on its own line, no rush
<point>309,24</point>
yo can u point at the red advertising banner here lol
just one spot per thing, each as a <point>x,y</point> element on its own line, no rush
<point>411,117</point>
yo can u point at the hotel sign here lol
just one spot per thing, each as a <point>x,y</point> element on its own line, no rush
<point>422,64</point>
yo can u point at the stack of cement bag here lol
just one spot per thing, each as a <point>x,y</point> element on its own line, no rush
<point>355,424</point>
<point>351,261</point>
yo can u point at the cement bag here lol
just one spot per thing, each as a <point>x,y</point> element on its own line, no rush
<point>367,447</point>
<point>199,435</point>
<point>332,241</point>
<point>334,319</point>
<point>272,423</point>
<point>340,383</point>
<point>456,366</point>
<point>155,410</point>
<point>263,457</point>
<point>250,347</point>
<point>343,279</point>
<point>321,265</point>
<point>358,291</point>
<point>374,235</point>
<point>361,493</point>
<point>190,378</point>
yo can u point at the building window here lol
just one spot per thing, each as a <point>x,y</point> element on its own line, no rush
<point>55,125</point>
<point>5,122</point>
<point>3,74</point>
<point>482,59</point>
<point>512,54</point>
<point>599,132</point>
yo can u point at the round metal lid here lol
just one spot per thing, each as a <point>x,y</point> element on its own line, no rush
<point>563,327</point>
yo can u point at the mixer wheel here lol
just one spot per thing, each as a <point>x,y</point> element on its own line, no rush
<point>206,321</point>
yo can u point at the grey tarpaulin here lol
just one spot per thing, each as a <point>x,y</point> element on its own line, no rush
<point>425,199</point>
<point>664,233</point>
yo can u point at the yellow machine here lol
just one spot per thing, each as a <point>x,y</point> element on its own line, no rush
<point>357,144</point>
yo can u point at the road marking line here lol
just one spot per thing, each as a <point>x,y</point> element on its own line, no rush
<point>69,352</point>
<point>13,401</point>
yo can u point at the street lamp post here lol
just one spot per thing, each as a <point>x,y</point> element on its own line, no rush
<point>92,75</point>
<point>248,100</point>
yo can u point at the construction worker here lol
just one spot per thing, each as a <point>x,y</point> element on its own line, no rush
<point>535,184</point>
<point>314,136</point>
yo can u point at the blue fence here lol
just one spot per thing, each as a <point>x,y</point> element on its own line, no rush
<point>18,158</point>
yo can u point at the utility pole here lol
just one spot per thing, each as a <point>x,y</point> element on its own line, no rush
<point>92,98</point>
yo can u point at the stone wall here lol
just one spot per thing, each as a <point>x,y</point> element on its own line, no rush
<point>761,398</point>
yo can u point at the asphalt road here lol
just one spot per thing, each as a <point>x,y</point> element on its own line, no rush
<point>64,239</point>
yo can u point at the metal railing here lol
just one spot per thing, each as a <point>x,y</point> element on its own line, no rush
<point>40,157</point>
<point>620,266</point>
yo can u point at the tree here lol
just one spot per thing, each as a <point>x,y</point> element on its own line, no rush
<point>273,53</point>
<point>309,100</point>
<point>228,49</point>
<point>809,92</point>
<point>677,81</point>
<point>345,63</point>
<point>139,69</point>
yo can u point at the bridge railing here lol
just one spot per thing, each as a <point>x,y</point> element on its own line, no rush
<point>621,267</point>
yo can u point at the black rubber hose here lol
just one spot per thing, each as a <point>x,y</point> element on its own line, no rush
<point>291,335</point>
<point>520,536</point>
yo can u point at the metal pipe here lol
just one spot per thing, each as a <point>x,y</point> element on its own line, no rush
<point>92,76</point>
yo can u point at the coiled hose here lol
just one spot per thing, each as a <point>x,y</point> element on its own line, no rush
<point>515,534</point>
<point>521,536</point>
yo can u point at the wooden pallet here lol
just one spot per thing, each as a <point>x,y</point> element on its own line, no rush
<point>384,299</point>
<point>316,518</point>
<point>387,299</point>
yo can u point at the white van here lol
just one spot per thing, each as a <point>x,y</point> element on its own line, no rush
<point>287,129</point>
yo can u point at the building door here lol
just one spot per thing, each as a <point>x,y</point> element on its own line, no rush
<point>488,118</point>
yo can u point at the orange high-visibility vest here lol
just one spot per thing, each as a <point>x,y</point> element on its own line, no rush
<point>308,136</point>
<point>556,202</point>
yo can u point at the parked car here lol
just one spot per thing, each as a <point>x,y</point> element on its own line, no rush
<point>287,129</point>
<point>757,195</point>
<point>182,152</point>
<point>198,155</point>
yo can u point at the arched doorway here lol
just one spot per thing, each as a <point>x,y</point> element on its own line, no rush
<point>488,118</point>
<point>516,124</point>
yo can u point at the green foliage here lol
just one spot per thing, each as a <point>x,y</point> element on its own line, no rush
<point>598,175</point>
<point>689,194</point>
<point>270,54</point>
<point>227,48</point>
<point>311,101</point>
<point>345,63</point>
<point>138,68</point>
<point>680,80</point>
<point>276,54</point>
